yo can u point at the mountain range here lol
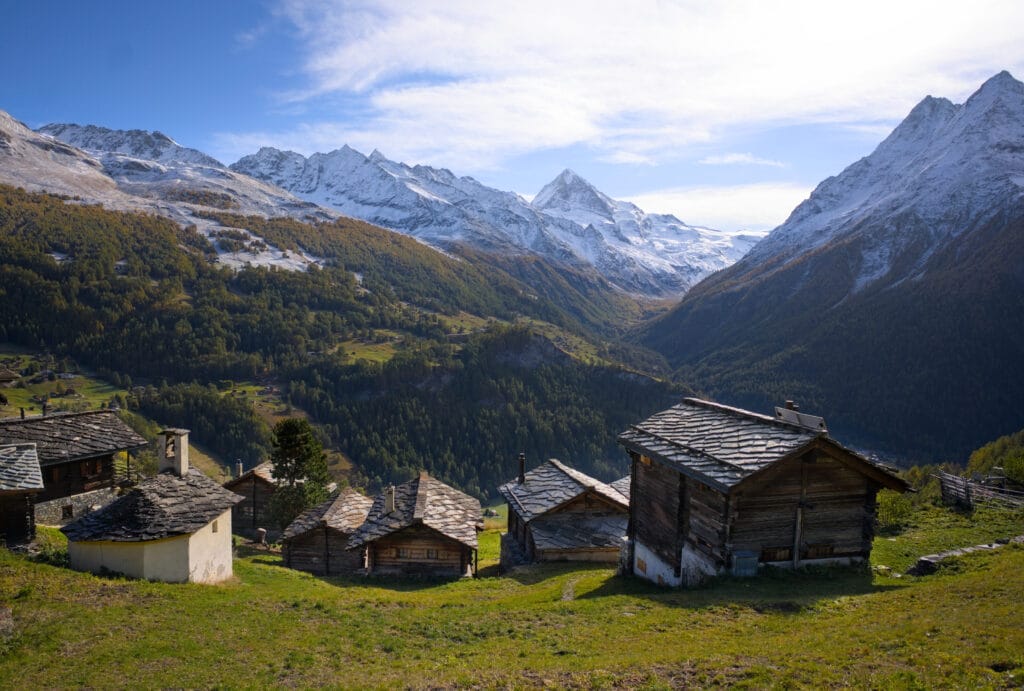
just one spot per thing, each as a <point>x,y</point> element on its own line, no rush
<point>893,297</point>
<point>569,223</point>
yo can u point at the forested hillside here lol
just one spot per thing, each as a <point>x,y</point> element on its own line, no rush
<point>137,297</point>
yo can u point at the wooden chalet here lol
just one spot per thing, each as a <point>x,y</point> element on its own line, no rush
<point>255,486</point>
<point>20,480</point>
<point>420,528</point>
<point>76,453</point>
<point>8,376</point>
<point>557,513</point>
<point>173,527</point>
<point>716,488</point>
<point>317,540</point>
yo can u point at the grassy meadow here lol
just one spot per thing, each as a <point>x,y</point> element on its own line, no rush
<point>543,626</point>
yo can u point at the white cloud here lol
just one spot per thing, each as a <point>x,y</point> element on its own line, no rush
<point>468,83</point>
<point>740,159</point>
<point>757,207</point>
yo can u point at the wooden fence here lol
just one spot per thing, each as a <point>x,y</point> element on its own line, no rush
<point>963,492</point>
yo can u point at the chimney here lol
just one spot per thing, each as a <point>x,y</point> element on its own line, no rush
<point>238,468</point>
<point>522,468</point>
<point>389,499</point>
<point>22,413</point>
<point>175,454</point>
<point>790,405</point>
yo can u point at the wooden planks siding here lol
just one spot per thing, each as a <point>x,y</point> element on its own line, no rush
<point>418,551</point>
<point>75,477</point>
<point>656,515</point>
<point>322,551</point>
<point>251,513</point>
<point>706,520</point>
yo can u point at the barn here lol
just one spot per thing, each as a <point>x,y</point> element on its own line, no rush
<point>557,513</point>
<point>174,526</point>
<point>717,489</point>
<point>255,486</point>
<point>420,528</point>
<point>317,540</point>
<point>20,481</point>
<point>76,453</point>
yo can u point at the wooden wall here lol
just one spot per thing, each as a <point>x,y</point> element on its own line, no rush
<point>418,551</point>
<point>17,519</point>
<point>322,552</point>
<point>251,513</point>
<point>815,503</point>
<point>658,519</point>
<point>707,520</point>
<point>75,477</point>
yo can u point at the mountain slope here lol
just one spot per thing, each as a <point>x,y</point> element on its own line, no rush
<point>569,221</point>
<point>892,300</point>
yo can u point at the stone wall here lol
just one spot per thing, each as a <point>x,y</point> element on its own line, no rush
<point>58,512</point>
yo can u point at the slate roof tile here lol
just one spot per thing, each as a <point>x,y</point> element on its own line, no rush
<point>427,501</point>
<point>160,506</point>
<point>344,513</point>
<point>552,484</point>
<point>64,437</point>
<point>565,531</point>
<point>19,469</point>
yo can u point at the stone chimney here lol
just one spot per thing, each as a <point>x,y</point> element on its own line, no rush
<point>175,453</point>
<point>238,468</point>
<point>791,405</point>
<point>389,499</point>
<point>522,468</point>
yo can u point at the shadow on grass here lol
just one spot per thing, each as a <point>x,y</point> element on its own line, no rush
<point>772,590</point>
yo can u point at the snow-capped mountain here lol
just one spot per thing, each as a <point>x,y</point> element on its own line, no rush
<point>892,300</point>
<point>943,171</point>
<point>569,220</point>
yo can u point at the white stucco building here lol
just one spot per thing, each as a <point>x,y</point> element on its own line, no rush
<point>174,527</point>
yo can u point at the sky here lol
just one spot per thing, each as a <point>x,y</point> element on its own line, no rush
<point>725,114</point>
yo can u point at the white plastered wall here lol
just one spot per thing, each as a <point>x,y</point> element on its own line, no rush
<point>209,552</point>
<point>694,567</point>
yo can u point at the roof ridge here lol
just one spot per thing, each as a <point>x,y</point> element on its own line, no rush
<point>56,414</point>
<point>743,413</point>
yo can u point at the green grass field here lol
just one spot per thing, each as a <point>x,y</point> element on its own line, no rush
<point>543,626</point>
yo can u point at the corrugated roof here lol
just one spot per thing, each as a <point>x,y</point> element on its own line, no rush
<point>64,437</point>
<point>552,484</point>
<point>718,444</point>
<point>344,513</point>
<point>160,506</point>
<point>423,501</point>
<point>19,469</point>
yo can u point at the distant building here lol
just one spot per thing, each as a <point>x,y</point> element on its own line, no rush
<point>174,526</point>
<point>421,528</point>
<point>20,481</point>
<point>716,488</point>
<point>557,513</point>
<point>76,452</point>
<point>317,540</point>
<point>256,486</point>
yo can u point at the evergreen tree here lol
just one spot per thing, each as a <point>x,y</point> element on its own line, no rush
<point>300,470</point>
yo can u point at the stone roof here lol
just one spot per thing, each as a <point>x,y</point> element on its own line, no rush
<point>722,446</point>
<point>622,486</point>
<point>565,531</point>
<point>344,513</point>
<point>423,501</point>
<point>161,506</point>
<point>552,484</point>
<point>63,437</point>
<point>19,469</point>
<point>264,471</point>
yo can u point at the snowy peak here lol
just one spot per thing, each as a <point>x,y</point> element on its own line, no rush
<point>139,144</point>
<point>945,170</point>
<point>569,194</point>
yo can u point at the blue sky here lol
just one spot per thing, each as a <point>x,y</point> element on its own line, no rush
<point>726,114</point>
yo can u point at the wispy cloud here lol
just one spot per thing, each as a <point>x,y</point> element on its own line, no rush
<point>740,159</point>
<point>757,207</point>
<point>470,84</point>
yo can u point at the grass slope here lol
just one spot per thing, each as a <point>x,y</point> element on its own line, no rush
<point>555,625</point>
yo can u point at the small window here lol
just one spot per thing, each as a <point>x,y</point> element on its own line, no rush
<point>641,566</point>
<point>214,527</point>
<point>818,551</point>
<point>404,553</point>
<point>776,554</point>
<point>67,511</point>
<point>431,554</point>
<point>55,474</point>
